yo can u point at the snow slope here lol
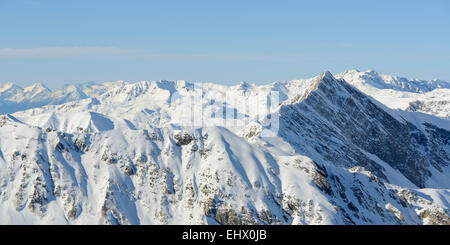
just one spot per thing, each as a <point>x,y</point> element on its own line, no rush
<point>431,97</point>
<point>162,153</point>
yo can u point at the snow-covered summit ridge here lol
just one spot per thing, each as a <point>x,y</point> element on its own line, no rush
<point>383,81</point>
<point>430,97</point>
<point>393,91</point>
<point>177,103</point>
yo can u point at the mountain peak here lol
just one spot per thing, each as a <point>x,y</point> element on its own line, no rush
<point>372,78</point>
<point>36,88</point>
<point>8,85</point>
<point>70,88</point>
<point>244,85</point>
<point>326,75</point>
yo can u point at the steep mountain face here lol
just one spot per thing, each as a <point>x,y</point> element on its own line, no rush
<point>128,157</point>
<point>342,124</point>
<point>93,89</point>
<point>430,97</point>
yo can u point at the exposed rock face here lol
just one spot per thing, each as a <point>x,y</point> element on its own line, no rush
<point>339,122</point>
<point>435,217</point>
<point>183,139</point>
<point>429,97</point>
<point>434,107</point>
<point>339,158</point>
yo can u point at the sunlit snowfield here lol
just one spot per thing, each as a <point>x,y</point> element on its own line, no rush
<point>354,148</point>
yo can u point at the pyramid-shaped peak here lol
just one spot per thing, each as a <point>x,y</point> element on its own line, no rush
<point>326,75</point>
<point>36,88</point>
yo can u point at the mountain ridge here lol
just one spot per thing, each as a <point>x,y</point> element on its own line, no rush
<point>338,156</point>
<point>430,97</point>
<point>19,98</point>
<point>383,81</point>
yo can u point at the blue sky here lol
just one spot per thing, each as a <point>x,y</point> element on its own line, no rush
<point>57,42</point>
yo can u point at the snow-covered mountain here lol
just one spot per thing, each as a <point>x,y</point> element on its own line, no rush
<point>431,97</point>
<point>383,81</point>
<point>172,152</point>
<point>14,98</point>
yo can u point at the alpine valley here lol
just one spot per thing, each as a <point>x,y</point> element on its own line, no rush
<point>353,148</point>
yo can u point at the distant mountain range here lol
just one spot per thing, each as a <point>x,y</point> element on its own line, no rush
<point>14,98</point>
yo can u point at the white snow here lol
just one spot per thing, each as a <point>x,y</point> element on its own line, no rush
<point>111,152</point>
<point>398,92</point>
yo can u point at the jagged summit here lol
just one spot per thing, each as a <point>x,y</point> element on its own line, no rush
<point>431,97</point>
<point>326,75</point>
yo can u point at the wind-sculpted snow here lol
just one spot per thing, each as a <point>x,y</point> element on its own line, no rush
<point>315,151</point>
